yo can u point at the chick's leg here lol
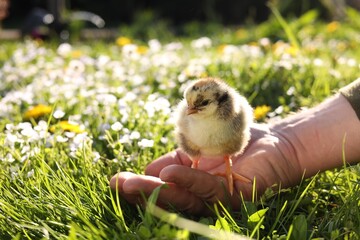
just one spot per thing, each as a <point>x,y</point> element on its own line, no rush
<point>228,173</point>
<point>195,163</point>
<point>231,175</point>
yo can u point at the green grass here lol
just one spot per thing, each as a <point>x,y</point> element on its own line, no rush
<point>54,183</point>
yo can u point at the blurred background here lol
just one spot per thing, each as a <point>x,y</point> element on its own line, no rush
<point>24,15</point>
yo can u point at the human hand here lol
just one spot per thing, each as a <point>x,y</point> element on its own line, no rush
<point>269,158</point>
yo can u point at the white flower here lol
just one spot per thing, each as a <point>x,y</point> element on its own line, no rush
<point>200,43</point>
<point>11,139</point>
<point>10,126</point>
<point>124,139</point>
<point>103,60</point>
<point>138,80</point>
<point>61,139</point>
<point>129,97</point>
<point>252,51</point>
<point>173,46</point>
<point>134,135</point>
<point>146,143</point>
<point>64,49</point>
<point>106,99</point>
<point>164,140</point>
<point>154,45</point>
<point>157,104</point>
<point>96,157</point>
<point>116,126</point>
<point>58,114</point>
<point>79,141</point>
<point>264,42</point>
<point>318,62</point>
<point>30,133</point>
<point>130,51</point>
<point>69,134</point>
<point>9,158</point>
<point>30,173</point>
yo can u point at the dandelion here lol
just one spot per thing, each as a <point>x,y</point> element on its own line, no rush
<point>332,26</point>
<point>280,47</point>
<point>261,111</point>
<point>292,50</point>
<point>37,112</point>
<point>241,33</point>
<point>76,54</point>
<point>221,48</point>
<point>67,126</point>
<point>142,49</point>
<point>122,41</point>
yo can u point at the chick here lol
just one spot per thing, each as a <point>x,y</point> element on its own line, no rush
<point>213,120</point>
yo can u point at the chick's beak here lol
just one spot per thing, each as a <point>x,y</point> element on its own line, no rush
<point>191,110</point>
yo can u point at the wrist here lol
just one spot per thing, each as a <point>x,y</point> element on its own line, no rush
<point>319,136</point>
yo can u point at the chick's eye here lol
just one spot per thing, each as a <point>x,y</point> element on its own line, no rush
<point>205,102</point>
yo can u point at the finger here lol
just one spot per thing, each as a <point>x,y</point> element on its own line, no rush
<point>117,183</point>
<point>204,185</point>
<point>175,157</point>
<point>135,187</point>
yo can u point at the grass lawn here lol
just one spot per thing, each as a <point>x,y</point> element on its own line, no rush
<point>72,115</point>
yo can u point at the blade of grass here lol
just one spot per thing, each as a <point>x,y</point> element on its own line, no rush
<point>190,225</point>
<point>180,222</point>
<point>286,27</point>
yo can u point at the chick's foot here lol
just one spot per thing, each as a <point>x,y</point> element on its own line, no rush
<point>230,175</point>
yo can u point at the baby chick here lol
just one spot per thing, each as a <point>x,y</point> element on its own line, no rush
<point>213,120</point>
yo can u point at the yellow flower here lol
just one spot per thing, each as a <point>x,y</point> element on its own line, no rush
<point>293,51</point>
<point>37,111</point>
<point>253,43</point>
<point>76,54</point>
<point>67,126</point>
<point>142,49</point>
<point>261,111</point>
<point>241,33</point>
<point>341,46</point>
<point>122,41</point>
<point>221,48</point>
<point>281,47</point>
<point>332,27</point>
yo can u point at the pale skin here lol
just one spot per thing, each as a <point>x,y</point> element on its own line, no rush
<point>279,154</point>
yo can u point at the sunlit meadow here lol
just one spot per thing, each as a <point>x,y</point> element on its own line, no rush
<point>72,115</point>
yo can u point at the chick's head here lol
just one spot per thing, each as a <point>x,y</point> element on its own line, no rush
<point>205,96</point>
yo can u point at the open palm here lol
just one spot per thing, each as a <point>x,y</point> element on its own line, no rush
<point>269,159</point>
